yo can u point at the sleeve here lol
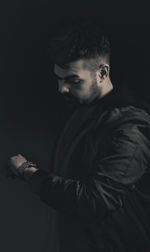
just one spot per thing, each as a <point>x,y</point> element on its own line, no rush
<point>120,162</point>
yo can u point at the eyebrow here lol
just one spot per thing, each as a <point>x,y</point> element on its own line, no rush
<point>67,77</point>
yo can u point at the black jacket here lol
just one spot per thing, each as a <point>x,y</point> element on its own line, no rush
<point>100,180</point>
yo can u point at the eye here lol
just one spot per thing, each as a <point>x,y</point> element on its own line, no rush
<point>74,82</point>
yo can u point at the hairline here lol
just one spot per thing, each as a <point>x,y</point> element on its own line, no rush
<point>96,61</point>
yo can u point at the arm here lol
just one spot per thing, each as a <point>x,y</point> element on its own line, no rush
<point>122,163</point>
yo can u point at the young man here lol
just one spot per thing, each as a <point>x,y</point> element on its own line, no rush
<point>98,186</point>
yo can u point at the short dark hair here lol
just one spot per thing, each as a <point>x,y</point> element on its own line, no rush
<point>78,40</point>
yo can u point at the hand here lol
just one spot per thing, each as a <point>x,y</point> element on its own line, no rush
<point>15,162</point>
<point>15,166</point>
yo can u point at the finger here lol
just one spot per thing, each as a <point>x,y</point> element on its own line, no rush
<point>13,157</point>
<point>19,155</point>
<point>10,160</point>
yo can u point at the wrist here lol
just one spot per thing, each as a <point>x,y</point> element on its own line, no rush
<point>26,170</point>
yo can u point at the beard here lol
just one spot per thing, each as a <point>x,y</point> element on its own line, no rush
<point>71,101</point>
<point>75,102</point>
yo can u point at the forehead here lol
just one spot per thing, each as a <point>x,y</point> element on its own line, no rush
<point>80,67</point>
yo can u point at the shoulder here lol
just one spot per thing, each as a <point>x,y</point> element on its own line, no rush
<point>119,116</point>
<point>122,143</point>
<point>121,124</point>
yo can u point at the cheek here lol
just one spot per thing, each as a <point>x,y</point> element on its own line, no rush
<point>83,90</point>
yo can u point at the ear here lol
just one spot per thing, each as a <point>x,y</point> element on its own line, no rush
<point>103,72</point>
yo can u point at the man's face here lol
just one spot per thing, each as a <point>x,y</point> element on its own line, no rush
<point>77,82</point>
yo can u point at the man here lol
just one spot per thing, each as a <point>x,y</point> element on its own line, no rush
<point>100,170</point>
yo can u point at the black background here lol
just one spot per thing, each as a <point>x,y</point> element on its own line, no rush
<point>30,108</point>
<point>24,46</point>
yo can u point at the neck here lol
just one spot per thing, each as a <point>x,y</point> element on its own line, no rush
<point>106,88</point>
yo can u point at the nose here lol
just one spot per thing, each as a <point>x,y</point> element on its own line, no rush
<point>62,88</point>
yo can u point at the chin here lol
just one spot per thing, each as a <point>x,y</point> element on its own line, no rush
<point>72,103</point>
<point>86,101</point>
